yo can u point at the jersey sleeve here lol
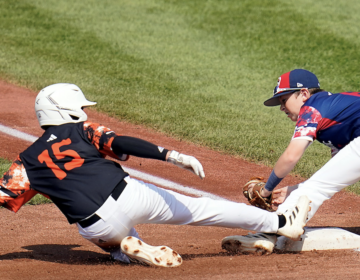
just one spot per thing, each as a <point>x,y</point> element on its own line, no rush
<point>15,187</point>
<point>307,123</point>
<point>102,137</point>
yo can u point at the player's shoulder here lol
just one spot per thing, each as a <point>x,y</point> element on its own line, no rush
<point>329,95</point>
<point>94,126</point>
<point>97,130</point>
<point>320,96</point>
<point>320,99</point>
<point>334,99</point>
<point>350,93</point>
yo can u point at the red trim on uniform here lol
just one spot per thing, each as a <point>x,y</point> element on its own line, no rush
<point>326,123</point>
<point>351,93</point>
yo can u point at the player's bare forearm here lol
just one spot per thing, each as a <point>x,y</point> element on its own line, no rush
<point>290,157</point>
<point>285,164</point>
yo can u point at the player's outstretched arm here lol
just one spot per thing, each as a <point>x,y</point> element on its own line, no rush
<point>290,157</point>
<point>285,164</point>
<point>141,148</point>
<point>137,147</point>
<point>187,162</point>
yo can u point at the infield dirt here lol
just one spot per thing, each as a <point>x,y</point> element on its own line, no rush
<point>38,243</point>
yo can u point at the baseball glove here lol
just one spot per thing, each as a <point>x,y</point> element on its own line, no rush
<point>253,195</point>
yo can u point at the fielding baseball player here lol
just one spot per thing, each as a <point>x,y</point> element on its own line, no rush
<point>67,164</point>
<point>332,119</point>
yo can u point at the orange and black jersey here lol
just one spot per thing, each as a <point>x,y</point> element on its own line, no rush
<point>15,187</point>
<point>67,163</point>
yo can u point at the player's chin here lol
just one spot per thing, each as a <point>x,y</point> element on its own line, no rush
<point>292,117</point>
<point>288,115</point>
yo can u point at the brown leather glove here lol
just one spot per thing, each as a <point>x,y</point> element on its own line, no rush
<point>254,194</point>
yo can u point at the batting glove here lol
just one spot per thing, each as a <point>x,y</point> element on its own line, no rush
<point>187,162</point>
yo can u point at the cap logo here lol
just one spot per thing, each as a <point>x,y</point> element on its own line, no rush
<point>299,85</point>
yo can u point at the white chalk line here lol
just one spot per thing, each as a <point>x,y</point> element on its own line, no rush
<point>17,133</point>
<point>133,172</point>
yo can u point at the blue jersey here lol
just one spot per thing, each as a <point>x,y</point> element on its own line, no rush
<point>332,119</point>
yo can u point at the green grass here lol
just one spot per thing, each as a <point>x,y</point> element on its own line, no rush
<point>4,165</point>
<point>195,70</point>
<point>37,199</point>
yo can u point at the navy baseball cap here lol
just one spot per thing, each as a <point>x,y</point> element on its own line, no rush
<point>290,82</point>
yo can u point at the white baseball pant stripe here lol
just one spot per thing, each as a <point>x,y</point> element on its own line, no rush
<point>339,172</point>
<point>143,203</point>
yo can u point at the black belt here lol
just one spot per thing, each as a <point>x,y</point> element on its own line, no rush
<point>115,194</point>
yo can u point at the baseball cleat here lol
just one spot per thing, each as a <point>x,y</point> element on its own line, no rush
<point>251,243</point>
<point>295,219</point>
<point>141,252</point>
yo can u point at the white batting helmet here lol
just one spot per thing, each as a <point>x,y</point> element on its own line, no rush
<point>61,103</point>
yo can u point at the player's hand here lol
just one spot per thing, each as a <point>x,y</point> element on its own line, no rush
<point>187,162</point>
<point>279,195</point>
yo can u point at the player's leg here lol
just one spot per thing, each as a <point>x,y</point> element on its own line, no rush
<point>112,235</point>
<point>116,252</point>
<point>146,203</point>
<point>108,235</point>
<point>339,172</point>
<point>108,232</point>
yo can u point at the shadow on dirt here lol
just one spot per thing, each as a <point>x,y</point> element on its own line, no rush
<point>69,254</point>
<point>187,257</point>
<point>61,254</point>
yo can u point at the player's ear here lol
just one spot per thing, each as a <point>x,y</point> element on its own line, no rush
<point>305,94</point>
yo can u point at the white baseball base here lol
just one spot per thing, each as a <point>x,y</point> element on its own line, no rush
<point>320,239</point>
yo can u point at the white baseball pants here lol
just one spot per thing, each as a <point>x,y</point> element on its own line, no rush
<point>143,203</point>
<point>339,172</point>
